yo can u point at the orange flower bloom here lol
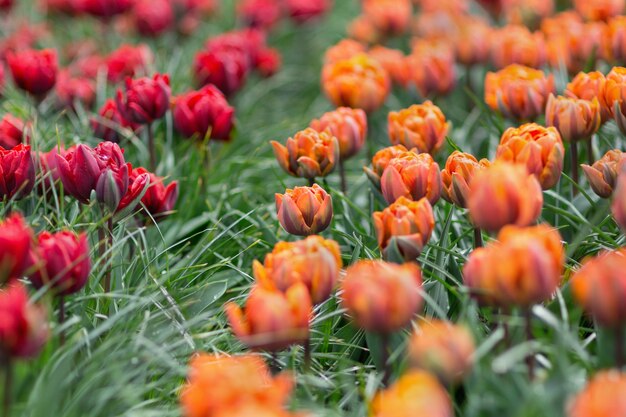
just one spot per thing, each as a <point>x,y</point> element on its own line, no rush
<point>599,9</point>
<point>391,17</point>
<point>257,410</point>
<point>394,62</point>
<point>574,47</point>
<point>413,176</point>
<point>617,35</point>
<point>404,228</point>
<point>599,286</point>
<point>575,119</point>
<point>421,126</point>
<point>453,7</point>
<point>382,297</point>
<point>527,12</point>
<point>517,45</point>
<point>602,175</point>
<point>443,348</point>
<point>518,92</point>
<point>348,125</point>
<point>358,82</point>
<point>587,86</point>
<point>362,29</point>
<point>304,211</point>
<point>618,207</point>
<point>314,262</point>
<point>217,384</point>
<point>456,176</point>
<point>381,160</point>
<point>308,154</point>
<point>344,49</point>
<point>539,148</point>
<point>615,95</point>
<point>504,194</point>
<point>472,46</point>
<point>602,397</point>
<point>432,67</point>
<point>436,26</point>
<point>416,393</point>
<point>563,22</point>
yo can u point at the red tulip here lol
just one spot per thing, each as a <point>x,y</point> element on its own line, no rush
<point>153,17</point>
<point>6,5</point>
<point>34,71</point>
<point>268,62</point>
<point>48,169</point>
<point>106,9</point>
<point>259,13</point>
<point>11,131</point>
<point>204,112</point>
<point>128,61</point>
<point>17,172</point>
<point>15,240</point>
<point>137,182</point>
<point>303,10</point>
<point>110,123</point>
<point>227,69</point>
<point>75,89</point>
<point>159,199</point>
<point>146,99</point>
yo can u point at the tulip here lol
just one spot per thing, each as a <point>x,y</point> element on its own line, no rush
<point>314,262</point>
<point>301,11</point>
<point>421,126</point>
<point>457,174</point>
<point>158,200</point>
<point>348,125</point>
<point>416,393</point>
<point>17,172</point>
<point>442,348</point>
<point>268,62</point>
<point>528,12</point>
<point>394,62</point>
<point>34,71</point>
<point>343,50</point>
<point>603,396</point>
<point>599,9</point>
<point>153,17</point>
<point>540,149</point>
<point>470,47</point>
<point>308,154</point>
<point>358,82</point>
<point>618,207</point>
<point>455,7</point>
<point>272,320</point>
<point>575,119</point>
<point>106,9</point>
<point>380,161</point>
<point>432,67</point>
<point>128,61</point>
<point>413,176</point>
<point>390,17</point>
<point>71,90</point>
<point>573,46</point>
<point>602,175</point>
<point>48,169</point>
<point>587,86</point>
<point>11,131</point>
<point>15,241</point>
<point>517,45</point>
<point>256,410</point>
<point>304,211</point>
<point>110,125</point>
<point>6,5</point>
<point>145,99</point>
<point>436,27</point>
<point>518,92</point>
<point>138,183</point>
<point>362,29</point>
<point>203,113</point>
<point>504,194</point>
<point>404,228</point>
<point>617,35</point>
<point>615,95</point>
<point>262,14</point>
<point>226,69</point>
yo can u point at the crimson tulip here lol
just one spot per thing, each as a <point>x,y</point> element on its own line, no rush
<point>145,100</point>
<point>15,241</point>
<point>17,172</point>
<point>203,113</point>
<point>11,131</point>
<point>110,123</point>
<point>34,71</point>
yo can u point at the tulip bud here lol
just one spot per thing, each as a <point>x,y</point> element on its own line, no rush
<point>314,261</point>
<point>540,149</point>
<point>380,161</point>
<point>158,200</point>
<point>145,100</point>
<point>34,71</point>
<point>15,240</point>
<point>11,131</point>
<point>112,186</point>
<point>587,86</point>
<point>575,119</point>
<point>268,62</point>
<point>443,348</point>
<point>308,154</point>
<point>382,297</point>
<point>358,82</point>
<point>602,175</point>
<point>413,176</point>
<point>599,9</point>
<point>404,228</point>
<point>421,126</point>
<point>390,17</point>
<point>348,125</point>
<point>105,10</point>
<point>603,396</point>
<point>431,65</point>
<point>110,124</point>
<point>153,17</point>
<point>416,393</point>
<point>304,211</point>
<point>128,61</point>
<point>301,11</point>
<point>515,44</point>
<point>272,319</point>
<point>456,176</point>
<point>518,92</point>
<point>503,194</point>
<point>17,170</point>
<point>203,113</point>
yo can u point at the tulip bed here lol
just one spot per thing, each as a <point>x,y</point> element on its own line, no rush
<point>274,208</point>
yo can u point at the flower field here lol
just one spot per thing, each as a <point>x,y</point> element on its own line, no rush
<point>312,208</point>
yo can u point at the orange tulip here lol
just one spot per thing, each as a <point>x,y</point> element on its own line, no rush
<point>456,176</point>
<point>421,126</point>
<point>618,207</point>
<point>382,297</point>
<point>416,393</point>
<point>518,92</point>
<point>617,35</point>
<point>599,9</point>
<point>432,67</point>
<point>577,44</point>
<point>304,211</point>
<point>471,47</point>
<point>391,17</point>
<point>504,194</point>
<point>615,95</point>
<point>363,29</point>
<point>527,12</point>
<point>599,286</point>
<point>394,62</point>
<point>453,7</point>
<point>587,86</point>
<point>442,348</point>
<point>314,262</point>
<point>381,160</point>
<point>557,25</point>
<point>358,82</point>
<point>257,410</point>
<point>517,45</point>
<point>602,397</point>
<point>575,119</point>
<point>602,175</point>
<point>539,148</point>
<point>308,154</point>
<point>344,49</point>
<point>436,26</point>
<point>404,228</point>
<point>413,176</point>
<point>348,125</point>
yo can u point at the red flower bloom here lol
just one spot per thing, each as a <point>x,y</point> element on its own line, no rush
<point>259,13</point>
<point>17,172</point>
<point>204,112</point>
<point>127,61</point>
<point>11,131</point>
<point>159,199</point>
<point>153,17</point>
<point>110,123</point>
<point>75,89</point>
<point>226,69</point>
<point>34,71</point>
<point>15,240</point>
<point>146,99</point>
<point>106,9</point>
<point>304,10</point>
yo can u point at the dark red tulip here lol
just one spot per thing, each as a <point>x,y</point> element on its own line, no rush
<point>48,170</point>
<point>11,131</point>
<point>15,241</point>
<point>68,7</point>
<point>268,62</point>
<point>71,90</point>
<point>128,61</point>
<point>303,10</point>
<point>159,199</point>
<point>6,5</point>
<point>17,172</point>
<point>145,99</point>
<point>262,14</point>
<point>153,17</point>
<point>137,180</point>
<point>34,71</point>
<point>204,112</point>
<point>60,260</point>
<point>109,123</point>
<point>227,69</point>
<point>106,9</point>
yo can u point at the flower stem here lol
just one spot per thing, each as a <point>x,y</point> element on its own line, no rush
<point>619,347</point>
<point>478,238</point>
<point>574,162</point>
<point>311,182</point>
<point>108,245</point>
<point>151,148</point>
<point>307,355</point>
<point>342,176</point>
<point>8,386</point>
<point>62,319</point>
<point>530,362</point>
<point>384,358</point>
<point>274,364</point>
<point>590,157</point>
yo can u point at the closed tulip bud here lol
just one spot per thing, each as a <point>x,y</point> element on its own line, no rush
<point>587,86</point>
<point>599,9</point>
<point>15,242</point>
<point>314,262</point>
<point>518,92</point>
<point>34,71</point>
<point>421,126</point>
<point>11,131</point>
<point>17,170</point>
<point>60,260</point>
<point>348,125</point>
<point>145,99</point>
<point>304,211</point>
<point>599,286</point>
<point>272,320</point>
<point>380,161</point>
<point>504,194</point>
<point>394,62</point>
<point>110,125</point>
<point>432,67</point>
<point>517,45</point>
<point>539,148</point>
<point>443,348</point>
<point>413,176</point>
<point>23,326</point>
<point>158,200</point>
<point>204,113</point>
<point>227,69</point>
<point>602,397</point>
<point>575,119</point>
<point>302,11</point>
<point>308,154</point>
<point>416,393</point>
<point>153,17</point>
<point>343,50</point>
<point>602,175</point>
<point>391,17</point>
<point>112,185</point>
<point>106,9</point>
<point>457,174</point>
<point>618,207</point>
<point>382,297</point>
<point>404,228</point>
<point>128,61</point>
<point>358,82</point>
